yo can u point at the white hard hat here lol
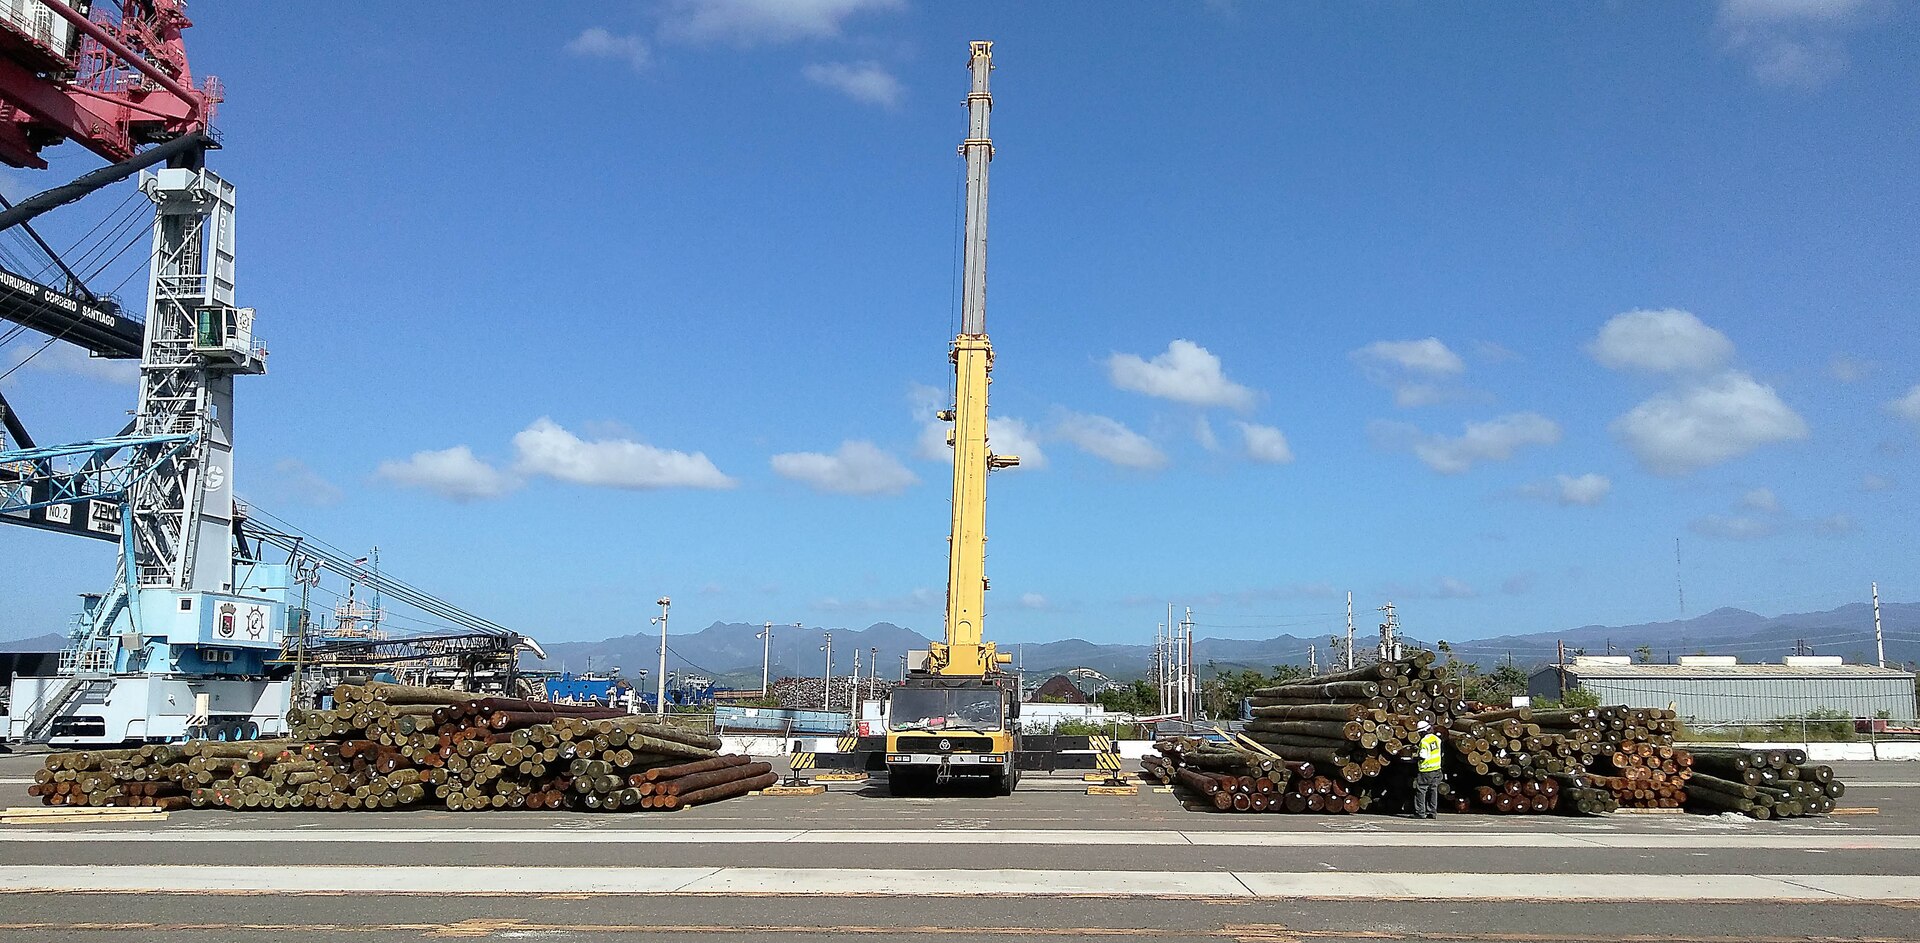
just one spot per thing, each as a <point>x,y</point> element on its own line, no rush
<point>1424,725</point>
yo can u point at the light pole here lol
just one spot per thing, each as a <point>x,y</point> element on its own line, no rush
<point>853,699</point>
<point>766,648</point>
<point>873,662</point>
<point>827,696</point>
<point>309,576</point>
<point>660,705</point>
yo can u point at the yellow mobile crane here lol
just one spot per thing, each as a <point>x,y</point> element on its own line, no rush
<point>956,714</point>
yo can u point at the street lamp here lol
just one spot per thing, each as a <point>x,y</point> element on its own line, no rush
<point>766,648</point>
<point>827,704</point>
<point>661,620</point>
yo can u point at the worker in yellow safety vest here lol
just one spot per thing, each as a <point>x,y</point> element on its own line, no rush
<point>1426,782</point>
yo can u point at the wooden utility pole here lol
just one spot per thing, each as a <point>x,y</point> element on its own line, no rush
<point>1563,667</point>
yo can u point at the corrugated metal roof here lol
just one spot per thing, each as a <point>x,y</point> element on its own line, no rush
<point>1676,672</point>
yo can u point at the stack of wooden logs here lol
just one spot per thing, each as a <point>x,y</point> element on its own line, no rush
<point>1356,724</point>
<point>1760,784</point>
<point>1632,752</point>
<point>387,746</point>
<point>142,777</point>
<point>1501,761</point>
<point>1228,778</point>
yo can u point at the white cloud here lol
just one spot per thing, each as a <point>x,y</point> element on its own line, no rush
<point>1707,423</point>
<point>545,448</point>
<point>299,482</point>
<point>1428,356</point>
<point>1519,584</point>
<point>1762,500</point>
<point>1793,43</point>
<point>596,42</point>
<point>71,360</point>
<point>1421,372</point>
<point>1034,601</point>
<point>756,22</point>
<point>1006,434</point>
<point>1450,588</point>
<point>1203,434</point>
<point>1266,444</point>
<point>1185,373</point>
<point>1737,527</point>
<point>1494,440</point>
<point>917,600</point>
<point>1833,525</point>
<point>1587,490</point>
<point>452,473</point>
<point>1490,352</point>
<point>1010,436</point>
<point>1107,439</point>
<point>1410,395</point>
<point>1664,341</point>
<point>866,82</point>
<point>1908,406</point>
<point>1848,369</point>
<point>857,467</point>
<point>1873,482</point>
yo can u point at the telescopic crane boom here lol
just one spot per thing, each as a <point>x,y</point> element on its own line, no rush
<point>957,715</point>
<point>966,653</point>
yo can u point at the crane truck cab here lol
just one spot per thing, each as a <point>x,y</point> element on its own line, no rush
<point>940,730</point>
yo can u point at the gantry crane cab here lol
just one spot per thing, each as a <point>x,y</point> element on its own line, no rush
<point>223,335</point>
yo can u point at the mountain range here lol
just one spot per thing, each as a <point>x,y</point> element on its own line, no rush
<point>730,652</point>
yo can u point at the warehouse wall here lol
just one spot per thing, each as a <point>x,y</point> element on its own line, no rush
<point>1715,699</point>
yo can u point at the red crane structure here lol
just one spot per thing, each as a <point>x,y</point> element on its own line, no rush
<point>109,77</point>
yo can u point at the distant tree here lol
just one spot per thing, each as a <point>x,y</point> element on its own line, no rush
<point>1644,653</point>
<point>1138,698</point>
<point>1506,682</point>
<point>1574,699</point>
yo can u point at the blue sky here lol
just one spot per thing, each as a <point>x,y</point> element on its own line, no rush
<point>1474,310</point>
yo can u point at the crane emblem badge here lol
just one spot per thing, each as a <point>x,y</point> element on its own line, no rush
<point>227,610</point>
<point>256,622</point>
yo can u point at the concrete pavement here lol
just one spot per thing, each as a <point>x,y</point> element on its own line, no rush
<point>1048,863</point>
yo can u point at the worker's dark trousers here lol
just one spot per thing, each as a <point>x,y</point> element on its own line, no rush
<point>1426,793</point>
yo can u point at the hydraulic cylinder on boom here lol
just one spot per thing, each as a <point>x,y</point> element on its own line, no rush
<point>956,715</point>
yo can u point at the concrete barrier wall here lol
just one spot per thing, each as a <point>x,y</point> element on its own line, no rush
<point>1841,752</point>
<point>1838,752</point>
<point>760,746</point>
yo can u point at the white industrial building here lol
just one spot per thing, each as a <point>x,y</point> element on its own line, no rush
<point>1718,689</point>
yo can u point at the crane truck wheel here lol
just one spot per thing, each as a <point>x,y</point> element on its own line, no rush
<point>1006,782</point>
<point>905,781</point>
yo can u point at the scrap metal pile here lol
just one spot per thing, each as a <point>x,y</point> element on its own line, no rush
<point>811,693</point>
<point>1361,730</point>
<point>389,746</point>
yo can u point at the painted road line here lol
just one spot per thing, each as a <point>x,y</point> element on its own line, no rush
<point>869,882</point>
<point>1692,841</point>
